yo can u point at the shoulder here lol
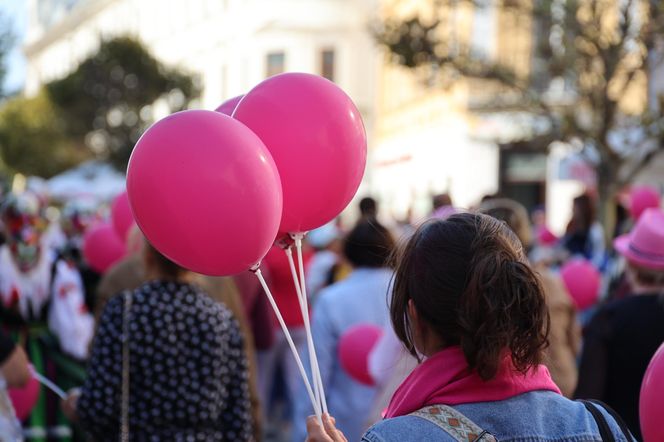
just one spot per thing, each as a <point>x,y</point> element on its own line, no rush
<point>405,429</point>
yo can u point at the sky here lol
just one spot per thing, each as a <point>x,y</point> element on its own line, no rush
<point>16,11</point>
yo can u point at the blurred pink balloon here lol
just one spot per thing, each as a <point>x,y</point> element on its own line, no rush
<point>546,237</point>
<point>355,345</point>
<point>316,137</point>
<point>205,192</point>
<point>642,198</point>
<point>102,247</point>
<point>651,400</point>
<point>228,106</point>
<point>24,399</point>
<point>583,282</point>
<point>121,216</point>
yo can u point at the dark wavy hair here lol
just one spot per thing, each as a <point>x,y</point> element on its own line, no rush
<point>471,284</point>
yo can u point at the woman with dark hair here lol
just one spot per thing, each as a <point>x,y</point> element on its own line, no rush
<point>467,304</point>
<point>358,299</point>
<point>585,236</point>
<point>167,364</point>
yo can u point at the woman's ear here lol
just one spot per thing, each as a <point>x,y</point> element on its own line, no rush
<point>417,331</point>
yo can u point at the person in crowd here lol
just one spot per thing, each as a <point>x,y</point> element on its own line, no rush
<point>130,273</point>
<point>565,330</point>
<point>326,265</point>
<point>440,200</point>
<point>360,298</point>
<point>43,307</point>
<point>368,209</point>
<point>14,372</point>
<point>624,334</point>
<point>168,363</point>
<point>585,236</point>
<point>469,306</point>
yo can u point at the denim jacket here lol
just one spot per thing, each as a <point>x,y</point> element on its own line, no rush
<point>537,416</point>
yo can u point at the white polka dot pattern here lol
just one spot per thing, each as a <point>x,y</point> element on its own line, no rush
<point>188,371</point>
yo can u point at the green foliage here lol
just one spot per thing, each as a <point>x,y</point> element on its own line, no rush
<point>32,139</point>
<point>106,102</point>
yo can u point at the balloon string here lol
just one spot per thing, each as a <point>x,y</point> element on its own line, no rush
<point>291,344</point>
<point>305,311</point>
<point>307,326</point>
<point>50,385</point>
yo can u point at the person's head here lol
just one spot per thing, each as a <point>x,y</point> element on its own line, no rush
<point>511,213</point>
<point>368,208</point>
<point>645,280</point>
<point>369,244</point>
<point>583,212</point>
<point>24,224</point>
<point>440,200</point>
<point>465,281</point>
<point>157,266</point>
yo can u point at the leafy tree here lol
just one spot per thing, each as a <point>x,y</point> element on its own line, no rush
<point>33,140</point>
<point>106,103</point>
<point>587,55</point>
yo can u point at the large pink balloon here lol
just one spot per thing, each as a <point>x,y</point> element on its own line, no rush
<point>121,216</point>
<point>24,399</point>
<point>102,247</point>
<point>316,137</point>
<point>651,400</point>
<point>205,192</point>
<point>354,348</point>
<point>228,106</point>
<point>583,282</point>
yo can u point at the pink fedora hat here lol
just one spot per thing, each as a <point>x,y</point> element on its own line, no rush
<point>644,245</point>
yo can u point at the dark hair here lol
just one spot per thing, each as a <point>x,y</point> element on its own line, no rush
<point>368,207</point>
<point>369,244</point>
<point>471,284</point>
<point>440,200</point>
<point>165,266</point>
<point>584,217</point>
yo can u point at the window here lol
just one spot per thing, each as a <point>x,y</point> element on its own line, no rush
<point>275,63</point>
<point>327,64</point>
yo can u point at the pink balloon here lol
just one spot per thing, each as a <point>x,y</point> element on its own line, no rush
<point>546,237</point>
<point>205,192</point>
<point>121,216</point>
<point>102,247</point>
<point>355,345</point>
<point>316,137</point>
<point>24,399</point>
<point>651,400</point>
<point>583,282</point>
<point>642,198</point>
<point>228,106</point>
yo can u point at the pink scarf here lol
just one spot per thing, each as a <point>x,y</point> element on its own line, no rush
<point>444,379</point>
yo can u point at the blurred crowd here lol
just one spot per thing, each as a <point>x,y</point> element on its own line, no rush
<point>147,346</point>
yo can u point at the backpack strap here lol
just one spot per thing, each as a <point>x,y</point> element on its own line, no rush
<point>604,430</point>
<point>454,423</point>
<point>592,406</point>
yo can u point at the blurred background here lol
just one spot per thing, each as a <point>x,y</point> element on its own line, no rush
<point>536,101</point>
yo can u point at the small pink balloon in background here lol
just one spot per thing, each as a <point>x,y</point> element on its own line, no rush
<point>205,192</point>
<point>228,106</point>
<point>651,400</point>
<point>24,399</point>
<point>354,348</point>
<point>583,282</point>
<point>102,247</point>
<point>317,139</point>
<point>546,237</point>
<point>121,216</point>
<point>642,198</point>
